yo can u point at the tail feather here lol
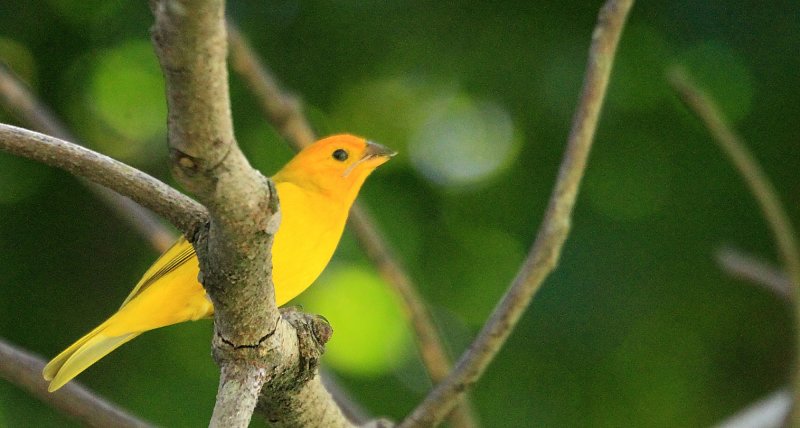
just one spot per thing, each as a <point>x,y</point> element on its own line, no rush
<point>82,354</point>
<point>167,294</point>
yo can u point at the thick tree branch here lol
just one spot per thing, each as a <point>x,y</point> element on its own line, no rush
<point>704,107</point>
<point>240,385</point>
<point>298,398</point>
<point>284,112</point>
<point>25,370</point>
<point>235,258</point>
<point>190,41</point>
<point>546,249</point>
<point>186,214</point>
<point>317,409</point>
<point>253,344</point>
<point>18,100</point>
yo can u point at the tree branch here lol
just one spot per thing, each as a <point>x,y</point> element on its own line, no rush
<point>191,45</point>
<point>353,410</point>
<point>769,412</point>
<point>25,370</point>
<point>742,266</point>
<point>281,109</point>
<point>235,258</point>
<point>300,399</point>
<point>186,214</point>
<point>20,102</point>
<point>734,147</point>
<point>428,341</point>
<point>253,345</point>
<point>22,368</point>
<point>284,112</point>
<point>546,249</point>
<point>762,190</point>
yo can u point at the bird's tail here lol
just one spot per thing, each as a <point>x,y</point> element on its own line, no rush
<point>82,354</point>
<point>167,294</point>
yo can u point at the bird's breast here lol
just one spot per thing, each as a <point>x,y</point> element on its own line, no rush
<point>311,227</point>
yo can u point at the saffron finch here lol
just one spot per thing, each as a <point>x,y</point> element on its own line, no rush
<point>316,190</point>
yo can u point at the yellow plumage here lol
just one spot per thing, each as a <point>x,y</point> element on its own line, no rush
<point>316,189</point>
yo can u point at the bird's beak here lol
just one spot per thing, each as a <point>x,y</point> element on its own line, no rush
<point>375,150</point>
<point>374,156</point>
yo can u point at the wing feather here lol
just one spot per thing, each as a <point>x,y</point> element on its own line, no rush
<point>176,256</point>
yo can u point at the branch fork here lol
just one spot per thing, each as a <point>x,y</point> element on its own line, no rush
<point>232,231</point>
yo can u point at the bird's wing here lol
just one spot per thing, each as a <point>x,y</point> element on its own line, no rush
<point>177,255</point>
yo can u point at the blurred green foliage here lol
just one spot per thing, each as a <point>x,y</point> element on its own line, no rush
<point>371,340</point>
<point>637,327</point>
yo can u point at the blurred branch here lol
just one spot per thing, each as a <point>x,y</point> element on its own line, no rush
<point>352,409</point>
<point>186,214</point>
<point>760,187</point>
<point>769,412</point>
<point>23,104</point>
<point>281,109</point>
<point>25,371</point>
<point>285,113</point>
<point>429,343</point>
<point>746,267</point>
<point>764,192</point>
<point>546,249</point>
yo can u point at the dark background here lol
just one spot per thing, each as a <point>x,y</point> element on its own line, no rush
<point>637,327</point>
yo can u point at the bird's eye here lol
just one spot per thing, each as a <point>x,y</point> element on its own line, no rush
<point>340,155</point>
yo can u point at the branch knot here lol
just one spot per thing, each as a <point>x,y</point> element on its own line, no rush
<point>313,332</point>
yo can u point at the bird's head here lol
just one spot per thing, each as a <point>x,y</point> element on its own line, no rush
<point>336,165</point>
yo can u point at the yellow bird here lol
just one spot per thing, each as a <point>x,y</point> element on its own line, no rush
<point>316,189</point>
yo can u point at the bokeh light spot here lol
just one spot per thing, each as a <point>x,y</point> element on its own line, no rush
<point>127,93</point>
<point>463,141</point>
<point>386,110</point>
<point>370,334</point>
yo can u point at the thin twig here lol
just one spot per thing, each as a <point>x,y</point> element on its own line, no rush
<point>704,107</point>
<point>352,409</point>
<point>429,342</point>
<point>769,412</point>
<point>759,272</point>
<point>25,370</point>
<point>183,212</point>
<point>552,234</point>
<point>18,99</point>
<point>285,113</point>
<point>762,189</point>
<point>282,110</point>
